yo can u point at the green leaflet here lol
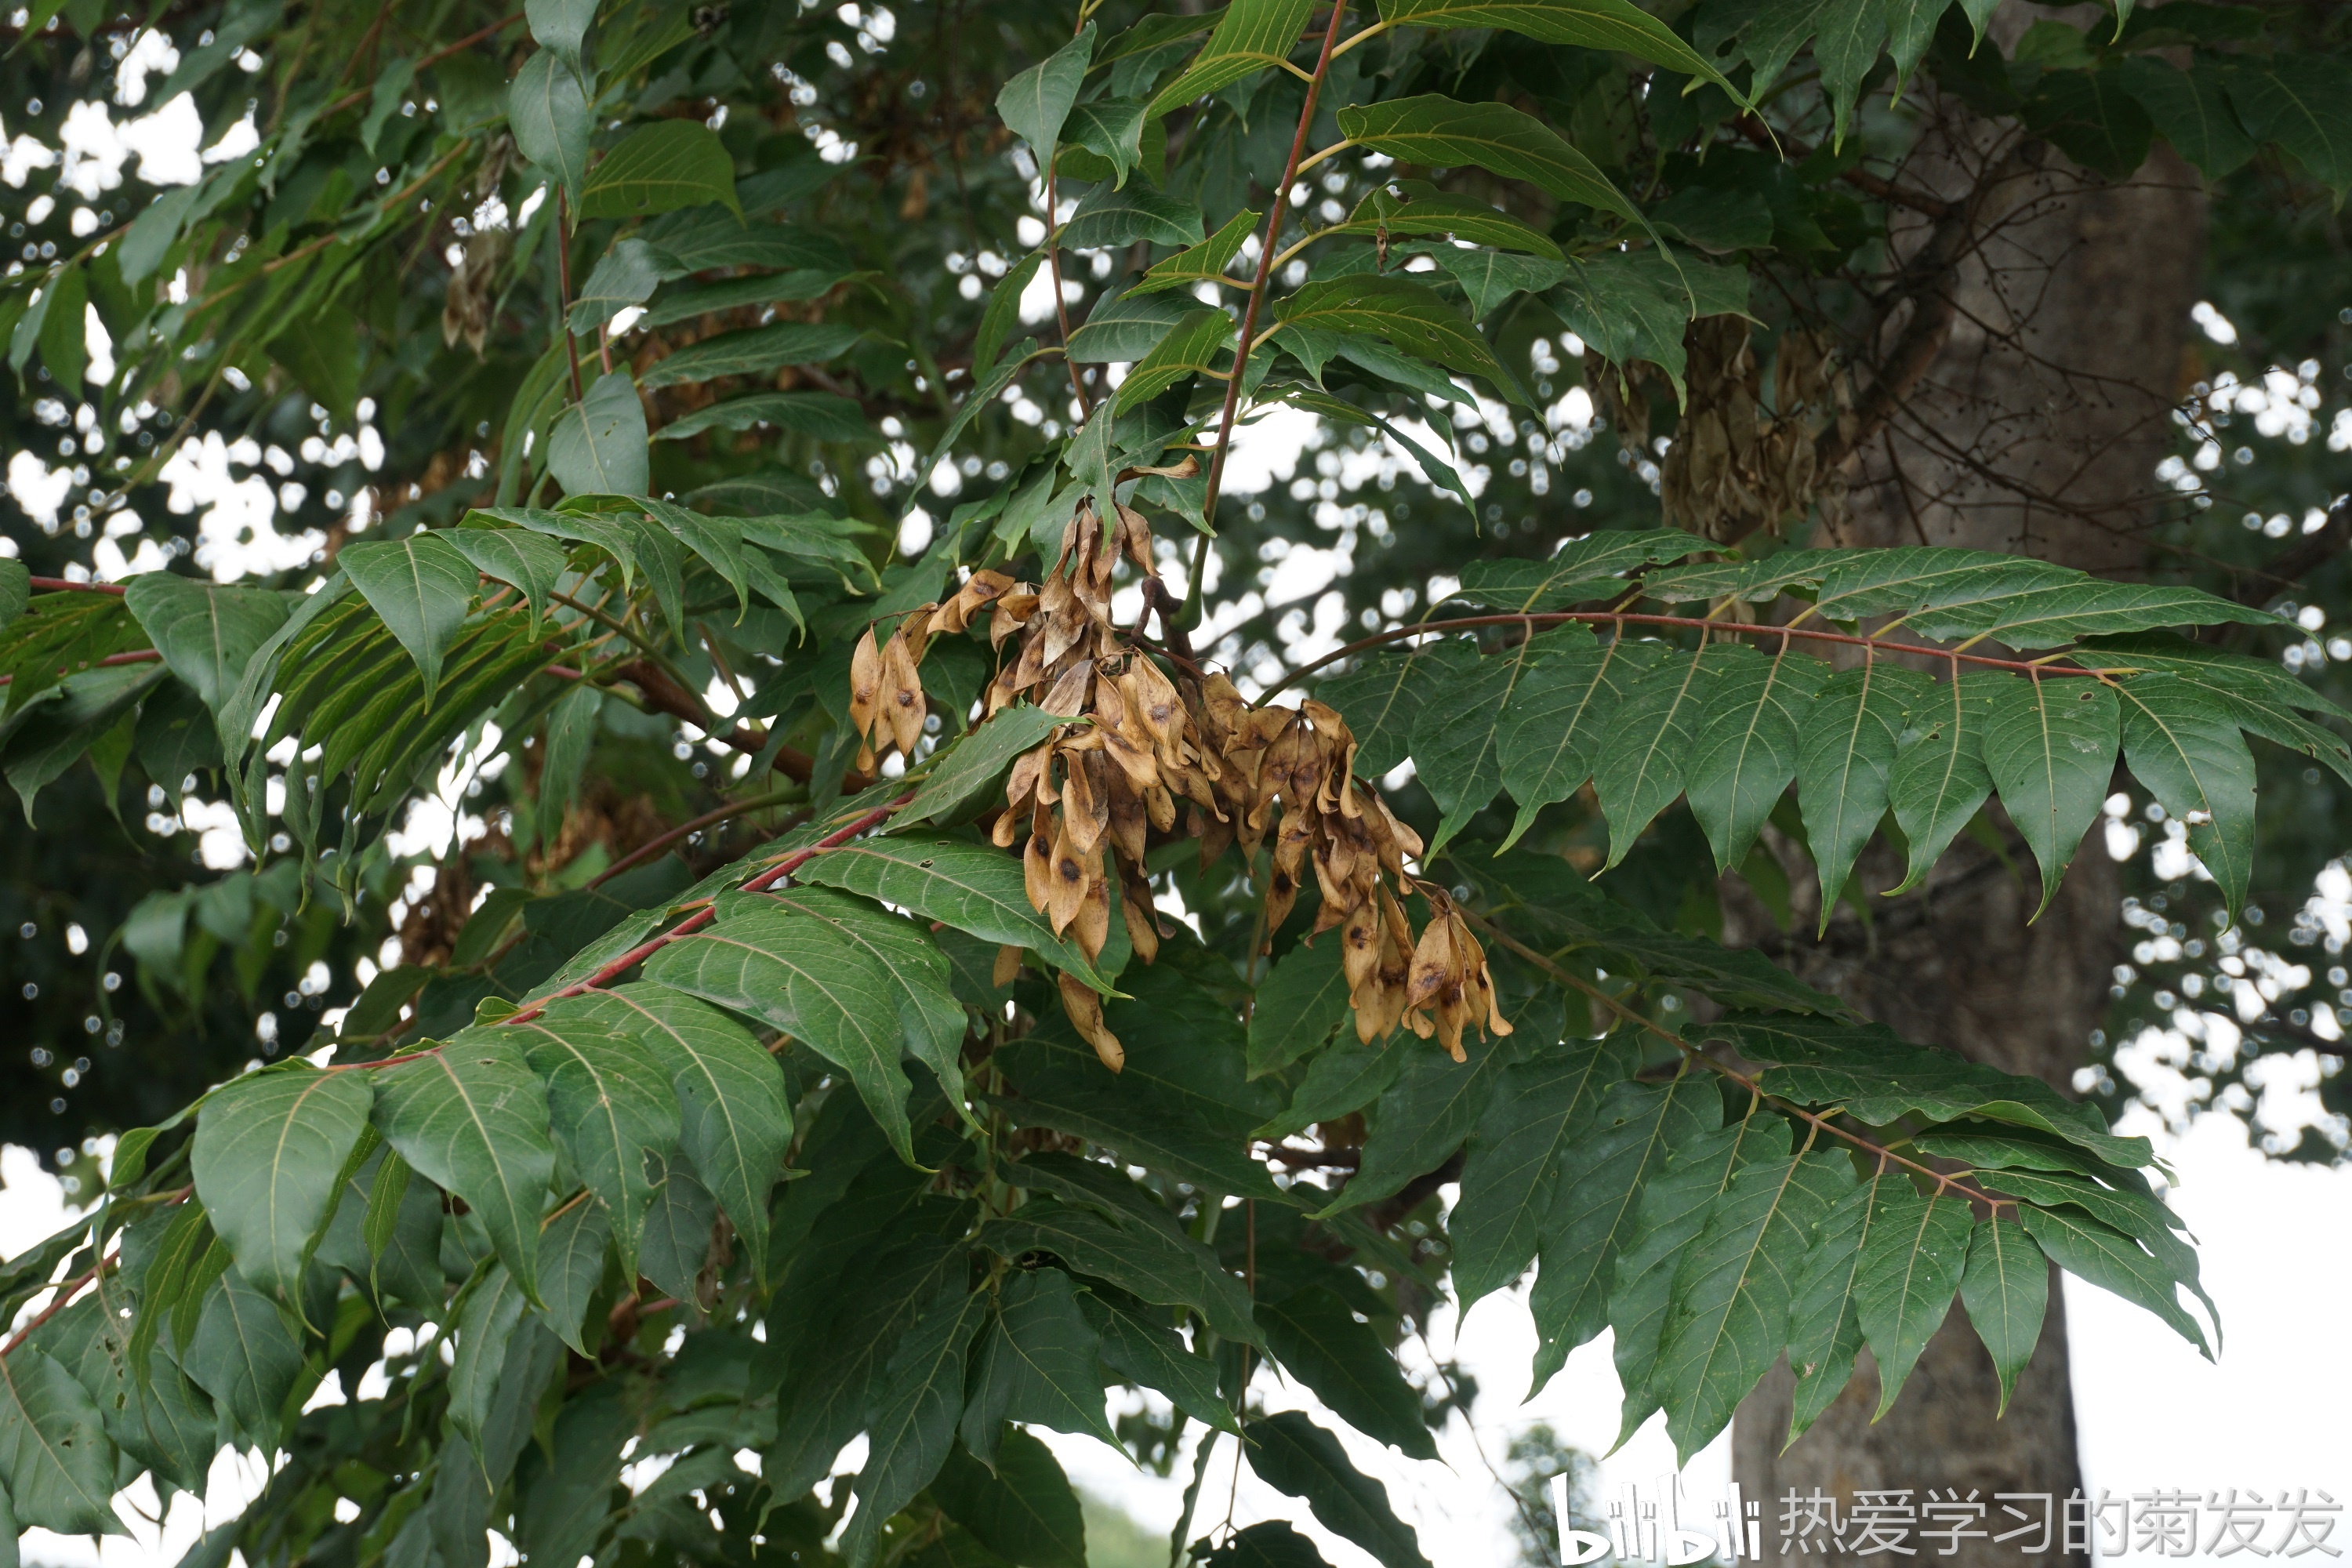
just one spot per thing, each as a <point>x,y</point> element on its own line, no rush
<point>572,1252</point>
<point>471,1118</point>
<point>1251,37</point>
<point>823,416</point>
<point>1143,1261</point>
<point>1315,1337</point>
<point>972,889</point>
<point>610,1106</point>
<point>1182,1106</point>
<point>513,555</point>
<point>2050,746</point>
<point>1596,1210</point>
<point>1745,752</point>
<point>2113,1262</point>
<point>598,445</point>
<point>931,1022</point>
<point>1543,1116</point>
<point>548,116</point>
<point>823,1408</point>
<point>1910,1265</point>
<point>753,351</point>
<point>1844,757</point>
<point>1202,263</point>
<point>1124,327</point>
<point>1292,1455</point>
<point>966,773</point>
<point>914,1420</point>
<point>268,1158</point>
<point>677,1228</point>
<point>1562,717</point>
<point>1024,1511</point>
<point>2005,1286</point>
<point>245,1356</point>
<point>661,166</point>
<point>1038,1362</point>
<point>1878,1078</point>
<point>1615,25</point>
<point>1940,778</point>
<point>803,976</point>
<point>486,1321</point>
<point>2191,757</point>
<point>1407,314</point>
<point>1457,741</point>
<point>1035,103</point>
<point>1676,1204</point>
<point>422,587</point>
<point>1824,1331</point>
<point>1151,1354</point>
<point>1109,216</point>
<point>1191,348</point>
<point>54,1452</point>
<point>1383,696</point>
<point>1113,129</point>
<point>206,634</point>
<point>1301,1003</point>
<point>2191,111</point>
<point>1439,131</point>
<point>1592,567</point>
<point>1729,1318</point>
<point>1347,1077</point>
<point>1423,1120</point>
<point>1652,737</point>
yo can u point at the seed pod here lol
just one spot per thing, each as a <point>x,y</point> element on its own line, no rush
<point>1085,1009</point>
<point>1008,966</point>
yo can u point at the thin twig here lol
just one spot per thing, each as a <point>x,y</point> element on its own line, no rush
<point>352,100</point>
<point>653,846</point>
<point>1247,341</point>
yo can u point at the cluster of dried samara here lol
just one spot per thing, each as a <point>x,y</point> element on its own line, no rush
<point>1137,741</point>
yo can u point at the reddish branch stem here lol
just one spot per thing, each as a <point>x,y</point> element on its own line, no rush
<point>68,586</point>
<point>1623,618</point>
<point>140,656</point>
<point>684,928</point>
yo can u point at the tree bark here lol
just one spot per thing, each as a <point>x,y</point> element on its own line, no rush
<point>2041,363</point>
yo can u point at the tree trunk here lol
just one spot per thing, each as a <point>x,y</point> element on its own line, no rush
<point>2025,381</point>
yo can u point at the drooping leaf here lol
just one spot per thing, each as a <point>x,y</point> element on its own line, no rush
<point>1745,752</point>
<point>2006,1288</point>
<point>823,415</point>
<point>1910,1265</point>
<point>1023,1509</point>
<point>1734,1288</point>
<point>1144,1261</point>
<point>2050,746</point>
<point>1383,696</point>
<point>572,1252</point>
<point>487,1319</point>
<point>54,1453</point>
<point>1038,1362</point>
<point>1557,726</point>
<point>268,1159</point>
<point>2190,753</point>
<point>1400,312</point>
<point>244,1356</point>
<point>1298,1459</point>
<point>1036,102</point>
<point>1446,133</point>
<point>802,976</point>
<point>1611,25</point>
<point>610,1106</point>
<point>1151,1354</point>
<point>207,633</point>
<point>422,586</point>
<point>971,889</point>
<point>1844,757</point>
<point>548,116</point>
<point>471,1116</point>
<point>1939,777</point>
<point>914,1426</point>
<point>1543,1115</point>
<point>1423,1119</point>
<point>1315,1337</point>
<point>1824,1329</point>
<point>1252,35</point>
<point>659,167</point>
<point>1301,1003</point>
<point>598,445</point>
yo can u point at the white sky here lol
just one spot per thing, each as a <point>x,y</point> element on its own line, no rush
<point>2152,1414</point>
